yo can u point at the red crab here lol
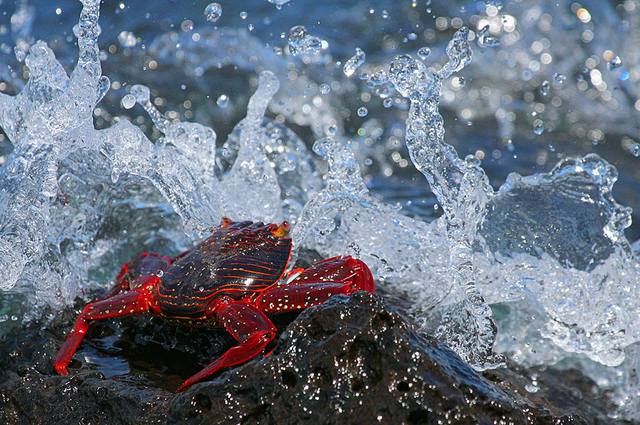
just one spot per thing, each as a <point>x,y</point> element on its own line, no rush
<point>232,279</point>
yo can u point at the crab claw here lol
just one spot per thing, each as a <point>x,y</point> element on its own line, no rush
<point>282,230</point>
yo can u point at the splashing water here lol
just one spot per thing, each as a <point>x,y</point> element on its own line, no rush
<point>462,189</point>
<point>549,246</point>
<point>50,121</point>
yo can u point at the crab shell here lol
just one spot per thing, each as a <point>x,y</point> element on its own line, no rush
<point>238,260</point>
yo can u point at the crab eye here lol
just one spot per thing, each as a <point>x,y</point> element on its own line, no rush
<point>280,231</point>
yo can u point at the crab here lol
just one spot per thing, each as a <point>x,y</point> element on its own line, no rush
<point>232,279</point>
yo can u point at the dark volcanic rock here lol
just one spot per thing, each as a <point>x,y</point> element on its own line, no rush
<point>353,361</point>
<point>349,361</point>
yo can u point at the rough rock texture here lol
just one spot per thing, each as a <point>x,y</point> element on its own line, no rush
<point>349,361</point>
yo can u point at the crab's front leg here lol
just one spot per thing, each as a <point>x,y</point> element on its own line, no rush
<point>248,325</point>
<point>144,265</point>
<point>136,301</point>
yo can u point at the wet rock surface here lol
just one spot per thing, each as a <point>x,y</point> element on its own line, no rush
<point>350,361</point>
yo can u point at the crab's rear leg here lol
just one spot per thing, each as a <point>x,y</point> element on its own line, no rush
<point>248,325</point>
<point>318,283</point>
<point>136,301</point>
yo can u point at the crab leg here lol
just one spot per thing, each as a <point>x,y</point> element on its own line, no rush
<point>137,301</point>
<point>318,283</point>
<point>248,325</point>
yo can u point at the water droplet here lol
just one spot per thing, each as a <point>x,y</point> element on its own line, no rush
<point>362,111</point>
<point>634,149</point>
<point>544,88</point>
<point>459,53</point>
<point>332,130</point>
<point>387,103</point>
<point>485,40</point>
<point>128,101</point>
<point>213,12</point>
<point>127,39</point>
<point>614,63</point>
<point>538,127</point>
<point>243,15</point>
<point>631,146</point>
<point>354,62</point>
<point>223,101</point>
<point>298,32</point>
<point>300,42</point>
<point>559,79</point>
<point>385,14</point>
<point>325,88</point>
<point>424,52</point>
<point>20,54</point>
<point>278,3</point>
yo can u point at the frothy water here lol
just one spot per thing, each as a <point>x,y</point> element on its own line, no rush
<point>538,271</point>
